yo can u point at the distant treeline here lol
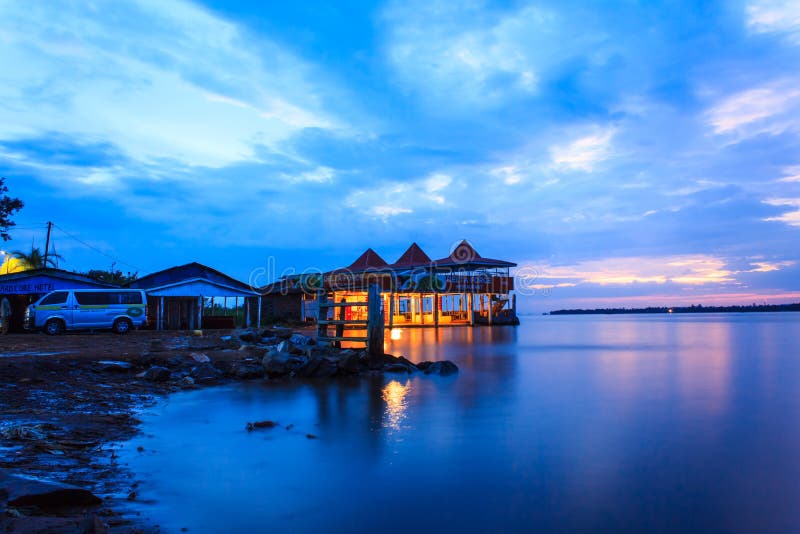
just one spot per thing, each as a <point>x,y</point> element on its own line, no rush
<point>699,308</point>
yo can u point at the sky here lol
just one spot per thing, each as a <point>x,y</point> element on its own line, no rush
<point>623,153</point>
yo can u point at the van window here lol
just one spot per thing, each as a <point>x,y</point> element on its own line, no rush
<point>58,297</point>
<point>104,298</point>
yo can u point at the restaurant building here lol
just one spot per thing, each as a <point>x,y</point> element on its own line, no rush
<point>463,288</point>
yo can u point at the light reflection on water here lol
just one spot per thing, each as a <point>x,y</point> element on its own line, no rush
<point>568,423</point>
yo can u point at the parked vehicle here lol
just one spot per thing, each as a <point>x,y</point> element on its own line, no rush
<point>88,309</point>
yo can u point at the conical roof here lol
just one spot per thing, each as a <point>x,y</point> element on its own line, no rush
<point>367,261</point>
<point>413,257</point>
<point>463,253</point>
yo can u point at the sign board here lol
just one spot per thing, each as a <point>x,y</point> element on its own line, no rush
<point>40,284</point>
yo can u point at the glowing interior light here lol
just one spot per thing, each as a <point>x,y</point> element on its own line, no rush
<point>395,333</point>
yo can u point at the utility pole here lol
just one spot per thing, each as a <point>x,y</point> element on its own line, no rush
<point>47,243</point>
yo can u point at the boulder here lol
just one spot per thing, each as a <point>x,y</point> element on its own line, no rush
<point>205,373</point>
<point>282,332</point>
<point>21,491</point>
<point>396,368</point>
<point>309,367</point>
<point>350,364</point>
<point>199,357</point>
<point>157,374</point>
<point>226,367</point>
<point>248,336</point>
<point>284,346</point>
<point>114,366</point>
<point>327,367</point>
<point>300,340</point>
<point>443,368</point>
<point>276,363</point>
<point>245,371</point>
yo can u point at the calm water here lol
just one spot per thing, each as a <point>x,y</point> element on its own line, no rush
<point>564,423</point>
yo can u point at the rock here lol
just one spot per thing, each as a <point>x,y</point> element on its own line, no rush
<point>276,363</point>
<point>300,340</point>
<point>225,367</point>
<point>311,436</point>
<point>156,345</point>
<point>396,368</point>
<point>284,346</point>
<point>22,491</point>
<point>350,364</point>
<point>157,374</point>
<point>248,336</point>
<point>205,373</point>
<point>269,340</point>
<point>281,332</point>
<point>245,371</point>
<point>226,338</point>
<point>260,425</point>
<point>175,361</point>
<point>26,432</point>
<point>199,357</point>
<point>186,382</point>
<point>309,367</point>
<point>326,368</point>
<point>422,366</point>
<point>412,367</point>
<point>443,368</point>
<point>114,366</point>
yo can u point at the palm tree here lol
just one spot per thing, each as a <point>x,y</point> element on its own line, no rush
<point>35,259</point>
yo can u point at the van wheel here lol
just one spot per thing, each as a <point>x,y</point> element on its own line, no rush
<point>122,326</point>
<point>54,327</point>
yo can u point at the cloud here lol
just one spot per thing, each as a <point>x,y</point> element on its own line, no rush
<point>775,16</point>
<point>584,153</point>
<point>791,218</point>
<point>681,270</point>
<point>161,81</point>
<point>770,109</point>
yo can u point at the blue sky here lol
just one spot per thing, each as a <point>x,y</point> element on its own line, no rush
<point>623,153</point>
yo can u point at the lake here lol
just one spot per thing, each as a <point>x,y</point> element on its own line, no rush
<point>569,423</point>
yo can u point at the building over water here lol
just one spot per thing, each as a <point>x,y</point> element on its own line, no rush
<point>463,288</point>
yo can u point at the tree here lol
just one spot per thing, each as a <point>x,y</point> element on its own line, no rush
<point>35,259</point>
<point>8,207</point>
<point>109,277</point>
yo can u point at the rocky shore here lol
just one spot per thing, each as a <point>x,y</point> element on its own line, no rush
<point>67,403</point>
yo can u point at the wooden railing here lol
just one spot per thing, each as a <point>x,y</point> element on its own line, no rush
<point>374,324</point>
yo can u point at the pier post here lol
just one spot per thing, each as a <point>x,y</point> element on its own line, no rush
<point>340,327</point>
<point>391,310</point>
<point>375,327</point>
<point>322,313</point>
<point>436,310</point>
<point>471,309</point>
<point>490,306</point>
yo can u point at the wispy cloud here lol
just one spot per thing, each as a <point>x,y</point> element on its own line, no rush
<point>584,153</point>
<point>197,90</point>
<point>775,16</point>
<point>770,109</point>
<point>791,217</point>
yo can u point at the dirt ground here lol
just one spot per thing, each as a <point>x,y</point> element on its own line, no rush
<point>64,409</point>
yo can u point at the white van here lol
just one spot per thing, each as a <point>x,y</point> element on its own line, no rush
<point>88,309</point>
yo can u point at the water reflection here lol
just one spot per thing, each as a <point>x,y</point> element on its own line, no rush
<point>568,424</point>
<point>394,395</point>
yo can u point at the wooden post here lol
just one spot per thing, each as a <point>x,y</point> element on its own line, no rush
<point>514,306</point>
<point>247,312</point>
<point>259,311</point>
<point>421,309</point>
<point>375,327</point>
<point>322,313</point>
<point>340,327</point>
<point>471,309</point>
<point>161,319</point>
<point>489,299</point>
<point>391,310</point>
<point>199,313</point>
<point>436,310</point>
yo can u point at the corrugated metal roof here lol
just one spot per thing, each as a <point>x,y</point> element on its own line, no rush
<point>182,273</point>
<point>53,273</point>
<point>414,256</point>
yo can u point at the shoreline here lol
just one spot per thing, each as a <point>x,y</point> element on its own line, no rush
<point>68,402</point>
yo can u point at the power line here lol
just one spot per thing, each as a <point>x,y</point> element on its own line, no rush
<point>87,245</point>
